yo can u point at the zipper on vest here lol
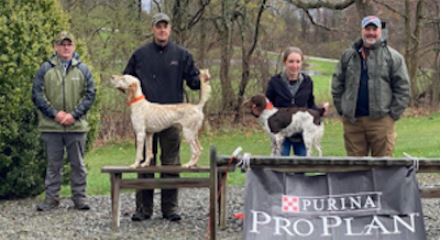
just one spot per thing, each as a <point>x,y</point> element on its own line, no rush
<point>64,92</point>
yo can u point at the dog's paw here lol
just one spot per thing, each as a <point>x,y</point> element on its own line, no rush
<point>189,165</point>
<point>145,164</point>
<point>135,165</point>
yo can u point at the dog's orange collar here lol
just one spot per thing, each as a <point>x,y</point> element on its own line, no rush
<point>269,105</point>
<point>134,100</point>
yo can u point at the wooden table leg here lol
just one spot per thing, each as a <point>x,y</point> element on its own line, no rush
<point>213,195</point>
<point>115,200</point>
<point>222,188</point>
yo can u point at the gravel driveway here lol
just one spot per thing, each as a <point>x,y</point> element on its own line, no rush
<point>19,220</point>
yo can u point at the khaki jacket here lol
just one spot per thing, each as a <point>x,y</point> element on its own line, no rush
<point>388,83</point>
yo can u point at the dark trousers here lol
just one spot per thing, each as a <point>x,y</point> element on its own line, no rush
<point>55,145</point>
<point>298,147</point>
<point>169,141</point>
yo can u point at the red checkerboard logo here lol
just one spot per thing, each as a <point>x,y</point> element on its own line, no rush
<point>290,204</point>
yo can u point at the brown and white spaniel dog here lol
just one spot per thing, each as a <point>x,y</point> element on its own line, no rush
<point>284,122</point>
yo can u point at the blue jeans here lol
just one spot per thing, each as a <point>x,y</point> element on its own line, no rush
<point>298,148</point>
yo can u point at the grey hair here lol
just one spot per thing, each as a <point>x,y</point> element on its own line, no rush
<point>290,50</point>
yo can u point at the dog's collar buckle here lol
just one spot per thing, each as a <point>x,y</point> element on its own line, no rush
<point>134,100</point>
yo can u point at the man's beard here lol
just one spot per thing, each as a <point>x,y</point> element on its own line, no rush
<point>369,41</point>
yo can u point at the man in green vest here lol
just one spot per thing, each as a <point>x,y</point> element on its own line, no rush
<point>63,91</point>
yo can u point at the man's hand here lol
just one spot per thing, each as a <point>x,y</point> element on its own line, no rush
<point>326,107</point>
<point>64,118</point>
<point>60,116</point>
<point>204,75</point>
<point>68,120</point>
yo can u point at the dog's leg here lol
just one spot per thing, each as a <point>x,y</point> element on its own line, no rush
<point>274,146</point>
<point>191,137</point>
<point>318,148</point>
<point>141,136</point>
<point>196,152</point>
<point>318,139</point>
<point>317,143</point>
<point>148,150</point>
<point>277,141</point>
<point>308,141</point>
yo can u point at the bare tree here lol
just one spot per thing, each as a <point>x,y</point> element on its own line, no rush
<point>246,53</point>
<point>412,36</point>
<point>435,86</point>
<point>185,15</point>
<point>224,26</point>
<point>332,4</point>
<point>413,18</point>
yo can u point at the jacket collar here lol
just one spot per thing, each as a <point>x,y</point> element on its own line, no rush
<point>284,82</point>
<point>159,47</point>
<point>56,61</point>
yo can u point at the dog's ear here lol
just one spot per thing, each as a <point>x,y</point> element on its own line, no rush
<point>255,110</point>
<point>133,87</point>
<point>317,114</point>
<point>131,91</point>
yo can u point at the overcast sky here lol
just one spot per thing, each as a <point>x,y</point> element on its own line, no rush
<point>146,5</point>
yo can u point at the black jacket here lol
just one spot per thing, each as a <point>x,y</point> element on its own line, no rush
<point>162,71</point>
<point>280,96</point>
<point>278,93</point>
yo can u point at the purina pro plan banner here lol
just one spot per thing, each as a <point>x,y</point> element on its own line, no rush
<point>374,204</point>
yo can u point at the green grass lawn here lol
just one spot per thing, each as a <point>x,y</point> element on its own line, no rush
<point>417,136</point>
<point>321,80</point>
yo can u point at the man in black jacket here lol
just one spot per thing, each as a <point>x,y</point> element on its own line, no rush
<point>162,67</point>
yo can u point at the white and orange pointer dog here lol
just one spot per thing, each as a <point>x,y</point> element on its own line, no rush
<point>148,118</point>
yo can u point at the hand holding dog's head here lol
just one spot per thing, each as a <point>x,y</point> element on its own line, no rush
<point>204,75</point>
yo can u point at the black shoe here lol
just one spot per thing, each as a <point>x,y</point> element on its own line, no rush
<point>138,217</point>
<point>173,217</point>
<point>47,205</point>
<point>81,205</point>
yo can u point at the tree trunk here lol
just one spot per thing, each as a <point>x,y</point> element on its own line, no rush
<point>412,46</point>
<point>226,56</point>
<point>364,8</point>
<point>246,56</point>
<point>202,39</point>
<point>435,83</point>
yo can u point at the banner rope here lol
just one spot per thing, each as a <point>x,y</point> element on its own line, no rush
<point>415,160</point>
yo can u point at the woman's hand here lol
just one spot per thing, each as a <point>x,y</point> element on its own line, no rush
<point>326,107</point>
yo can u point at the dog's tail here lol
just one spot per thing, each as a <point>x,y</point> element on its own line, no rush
<point>205,87</point>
